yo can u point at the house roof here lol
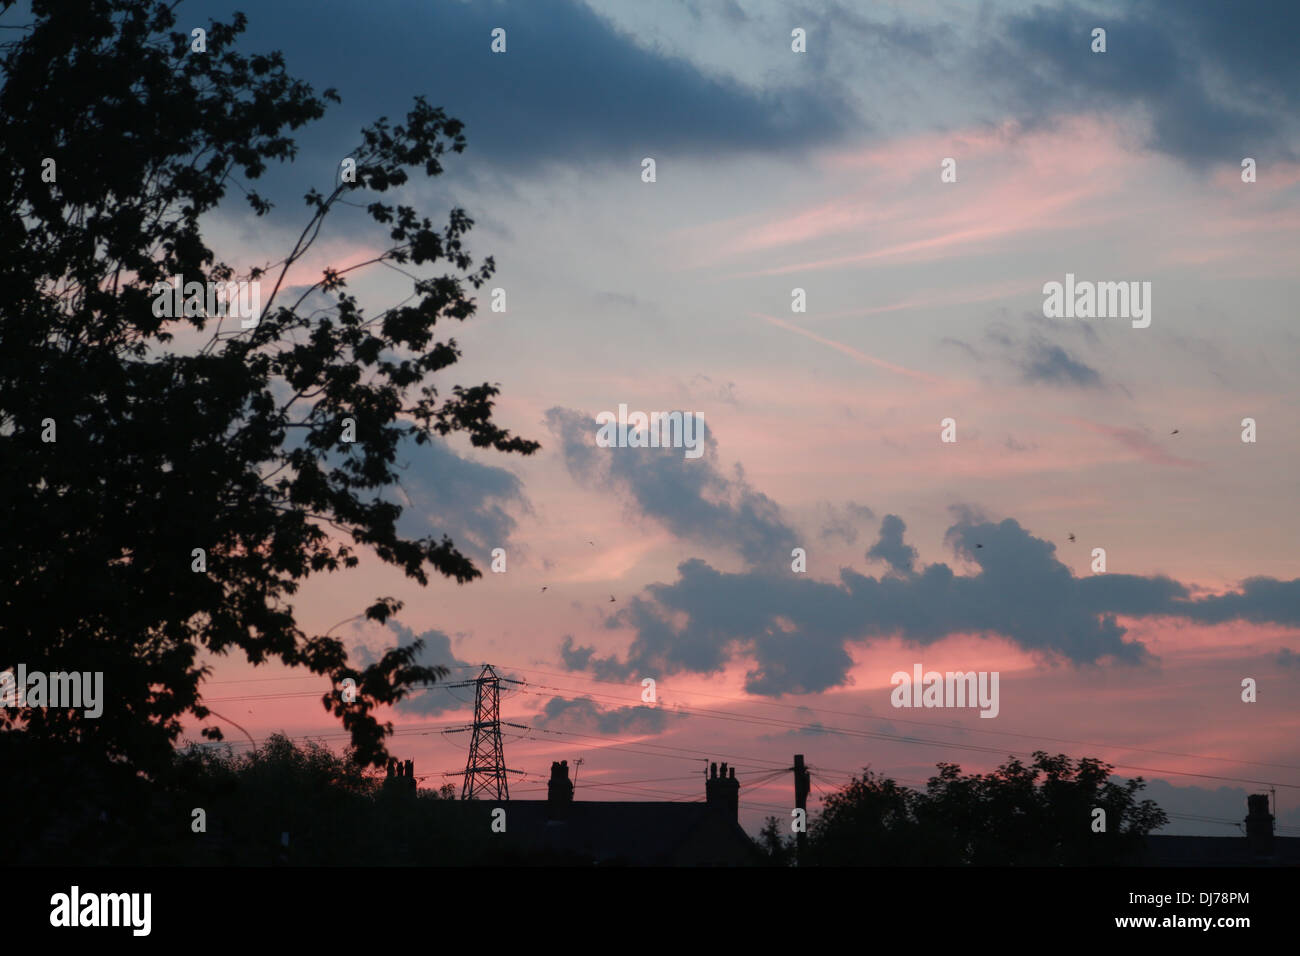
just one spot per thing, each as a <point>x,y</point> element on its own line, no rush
<point>620,832</point>
<point>1216,851</point>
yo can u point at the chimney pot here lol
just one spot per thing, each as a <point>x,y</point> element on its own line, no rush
<point>722,791</point>
<point>1259,825</point>
<point>559,790</point>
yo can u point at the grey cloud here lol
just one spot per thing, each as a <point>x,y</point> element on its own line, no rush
<point>468,501</point>
<point>571,87</point>
<point>436,652</point>
<point>1053,365</point>
<point>582,715</point>
<point>1041,361</point>
<point>690,498</point>
<point>441,493</point>
<point>890,547</point>
<point>1219,81</point>
<point>796,631</point>
<point>843,522</point>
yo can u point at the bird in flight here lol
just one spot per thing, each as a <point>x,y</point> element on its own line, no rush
<point>592,543</point>
<point>611,599</point>
<point>1174,432</point>
<point>544,587</point>
<point>1071,535</point>
<point>979,545</point>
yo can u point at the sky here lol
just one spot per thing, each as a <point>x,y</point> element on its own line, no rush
<point>823,171</point>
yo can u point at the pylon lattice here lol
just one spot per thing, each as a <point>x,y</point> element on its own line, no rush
<point>486,770</point>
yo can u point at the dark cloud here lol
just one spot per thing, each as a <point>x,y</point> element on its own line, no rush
<point>463,499</point>
<point>575,658</point>
<point>814,728</point>
<point>890,547</point>
<point>1041,361</point>
<point>436,652</point>
<point>441,493</point>
<point>582,715</point>
<point>571,87</point>
<point>1218,81</point>
<point>796,631</point>
<point>1053,365</point>
<point>689,497</point>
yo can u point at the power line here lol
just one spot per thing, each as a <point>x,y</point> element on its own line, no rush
<point>976,748</point>
<point>902,720</point>
<point>761,720</point>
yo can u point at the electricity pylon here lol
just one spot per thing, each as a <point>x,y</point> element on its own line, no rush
<point>485,770</point>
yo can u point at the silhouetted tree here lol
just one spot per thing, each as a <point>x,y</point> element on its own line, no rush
<point>184,433</point>
<point>334,812</point>
<point>868,821</point>
<point>1041,814</point>
<point>778,848</point>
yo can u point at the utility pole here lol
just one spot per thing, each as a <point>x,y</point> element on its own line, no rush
<point>802,784</point>
<point>485,770</point>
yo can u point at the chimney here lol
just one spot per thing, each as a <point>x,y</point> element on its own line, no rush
<point>1259,825</point>
<point>400,776</point>
<point>559,791</point>
<point>723,791</point>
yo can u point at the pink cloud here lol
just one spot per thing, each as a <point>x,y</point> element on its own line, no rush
<point>1136,441</point>
<point>1010,183</point>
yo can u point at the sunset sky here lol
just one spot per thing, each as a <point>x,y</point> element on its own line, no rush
<point>778,170</point>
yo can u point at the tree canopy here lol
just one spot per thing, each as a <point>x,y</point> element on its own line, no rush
<point>1036,814</point>
<point>170,481</point>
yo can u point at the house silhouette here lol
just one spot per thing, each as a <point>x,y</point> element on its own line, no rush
<point>1259,847</point>
<point>561,829</point>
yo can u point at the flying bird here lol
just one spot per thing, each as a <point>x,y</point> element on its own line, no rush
<point>592,543</point>
<point>611,599</point>
<point>979,545</point>
<point>1071,535</point>
<point>544,587</point>
<point>1174,432</point>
